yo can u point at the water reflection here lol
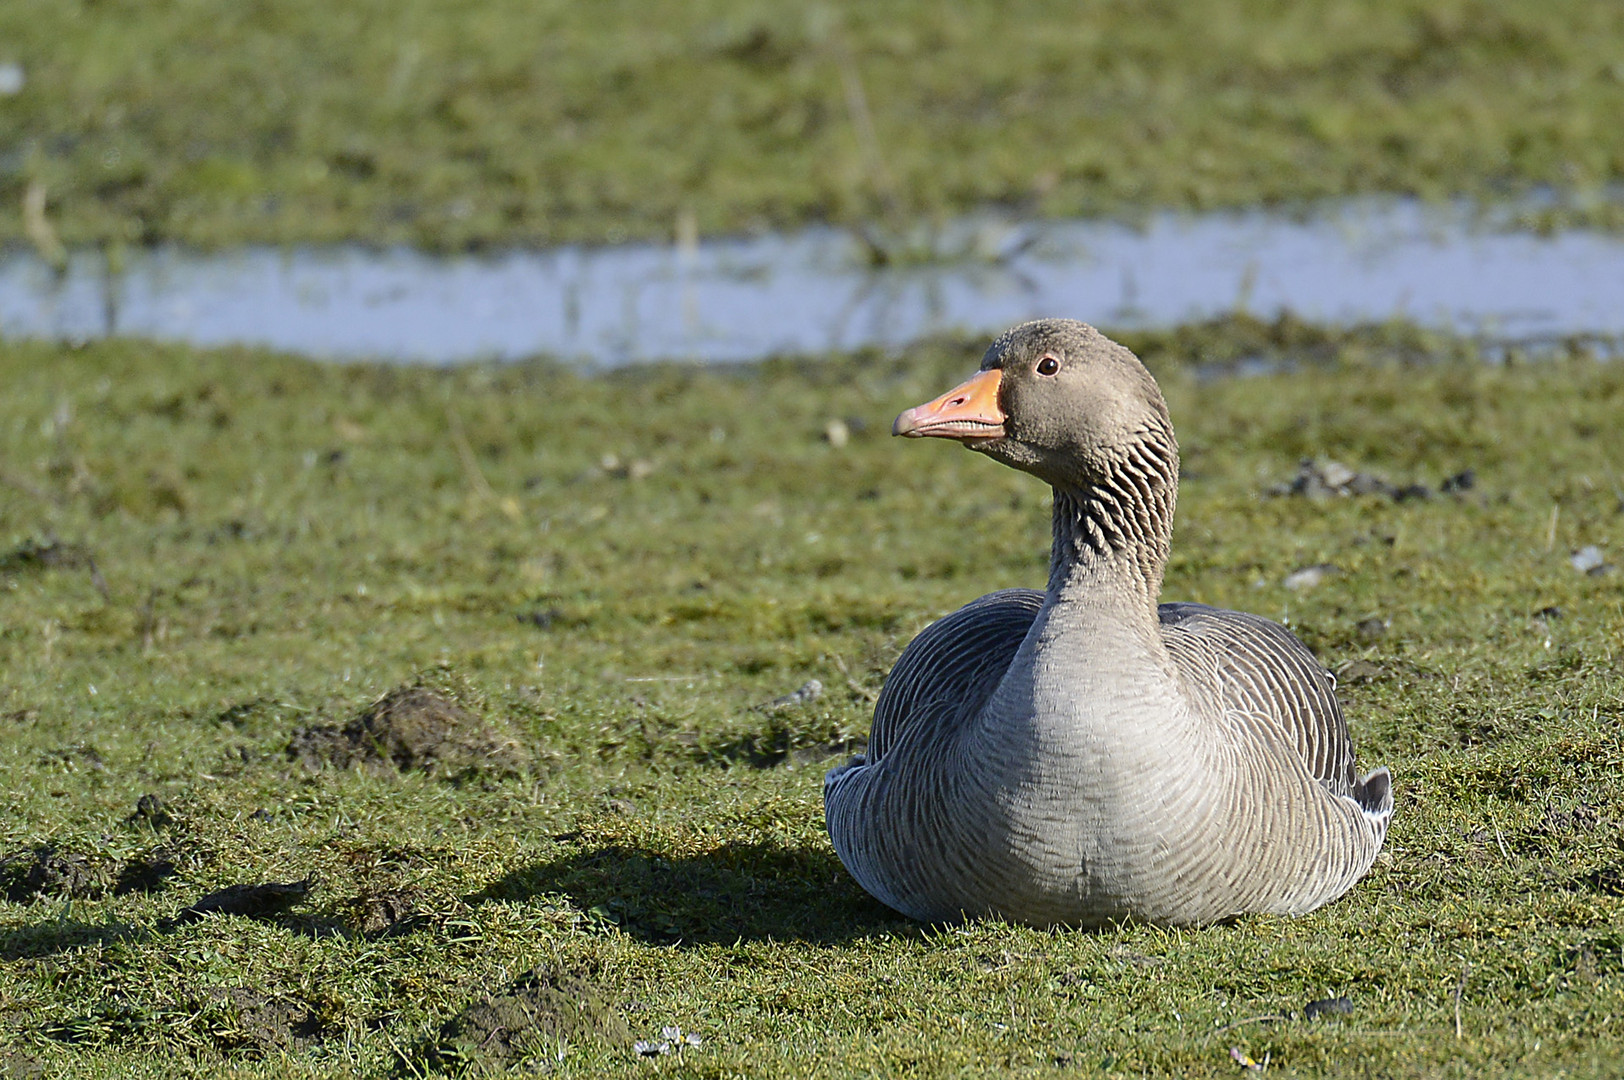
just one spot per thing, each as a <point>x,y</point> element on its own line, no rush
<point>819,289</point>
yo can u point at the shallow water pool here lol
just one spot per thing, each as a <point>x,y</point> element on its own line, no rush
<point>816,290</point>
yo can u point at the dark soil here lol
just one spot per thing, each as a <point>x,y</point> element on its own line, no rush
<point>151,812</point>
<point>242,1018</point>
<point>384,914</point>
<point>412,728</point>
<point>527,1020</point>
<point>44,871</point>
<point>45,555</point>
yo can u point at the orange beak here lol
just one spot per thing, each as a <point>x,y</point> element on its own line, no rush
<point>968,411</point>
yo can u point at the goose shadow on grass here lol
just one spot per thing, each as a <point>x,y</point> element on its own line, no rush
<point>735,892</point>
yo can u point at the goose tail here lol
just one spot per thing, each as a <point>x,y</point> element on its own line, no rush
<point>1374,794</point>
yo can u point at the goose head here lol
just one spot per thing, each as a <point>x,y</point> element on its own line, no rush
<point>1057,399</point>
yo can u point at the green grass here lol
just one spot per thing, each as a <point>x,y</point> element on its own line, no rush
<point>616,571</point>
<point>457,124</point>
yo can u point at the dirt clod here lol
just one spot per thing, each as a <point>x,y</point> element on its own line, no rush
<point>243,1018</point>
<point>1608,881</point>
<point>45,555</point>
<point>412,728</point>
<point>44,871</point>
<point>18,1064</point>
<point>526,1020</point>
<point>383,914</point>
<point>151,812</point>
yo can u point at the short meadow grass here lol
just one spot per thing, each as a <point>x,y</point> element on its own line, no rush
<point>458,124</point>
<point>214,563</point>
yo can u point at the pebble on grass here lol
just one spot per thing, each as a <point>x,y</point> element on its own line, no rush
<point>1309,576</point>
<point>1332,479</point>
<point>1590,561</point>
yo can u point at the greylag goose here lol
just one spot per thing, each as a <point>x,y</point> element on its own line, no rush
<point>1081,756</point>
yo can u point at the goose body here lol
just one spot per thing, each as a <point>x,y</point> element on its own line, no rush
<point>1083,755</point>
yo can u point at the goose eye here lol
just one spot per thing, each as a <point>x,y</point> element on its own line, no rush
<point>1048,366</point>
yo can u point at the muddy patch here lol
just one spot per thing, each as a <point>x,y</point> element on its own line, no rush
<point>18,1064</point>
<point>384,914</point>
<point>51,554</point>
<point>242,1019</point>
<point>527,1021</point>
<point>412,729</point>
<point>44,871</point>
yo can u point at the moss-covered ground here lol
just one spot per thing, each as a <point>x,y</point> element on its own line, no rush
<point>455,123</point>
<point>213,563</point>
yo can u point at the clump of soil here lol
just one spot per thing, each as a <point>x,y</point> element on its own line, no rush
<point>412,728</point>
<point>151,812</point>
<point>44,871</point>
<point>45,555</point>
<point>383,914</point>
<point>17,1064</point>
<point>527,1020</point>
<point>241,1018</point>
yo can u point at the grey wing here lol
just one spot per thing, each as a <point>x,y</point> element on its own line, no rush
<point>948,672</point>
<point>1262,669</point>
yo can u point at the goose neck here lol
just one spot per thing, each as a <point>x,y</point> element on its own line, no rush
<point>1111,538</point>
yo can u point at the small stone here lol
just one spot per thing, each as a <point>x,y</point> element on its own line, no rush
<point>541,618</point>
<point>1372,629</point>
<point>810,691</point>
<point>1309,576</point>
<point>1337,476</point>
<point>12,79</point>
<point>837,433</point>
<point>1464,480</point>
<point>1589,560</point>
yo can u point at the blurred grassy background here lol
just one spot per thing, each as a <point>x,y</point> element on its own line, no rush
<point>455,123</point>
